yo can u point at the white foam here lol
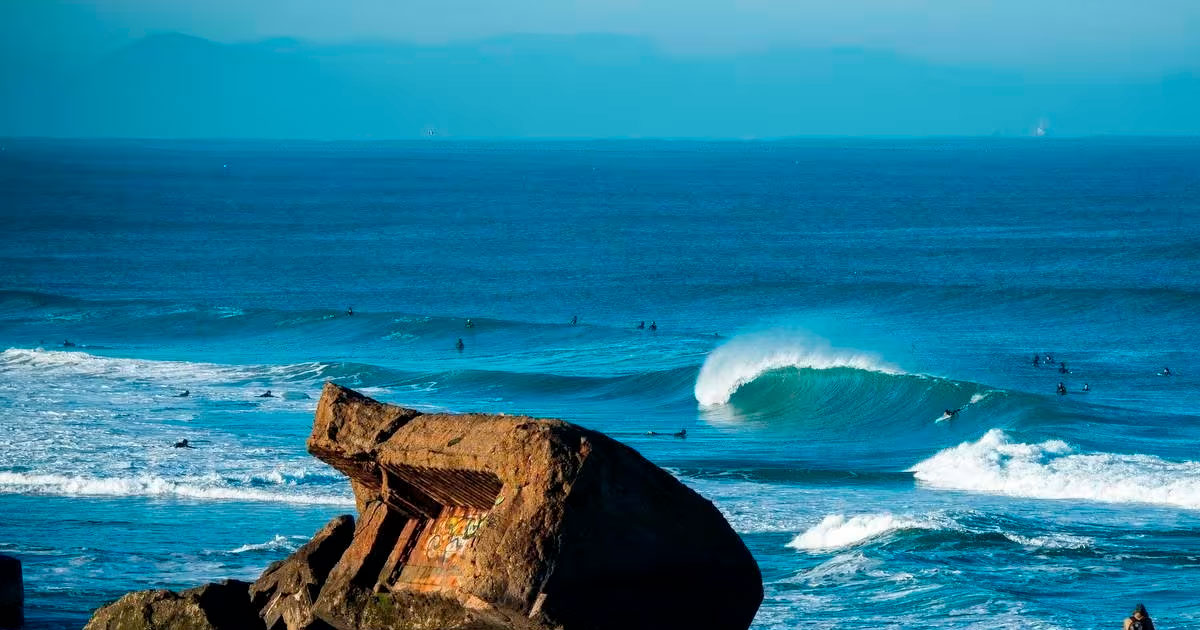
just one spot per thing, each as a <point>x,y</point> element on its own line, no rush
<point>746,357</point>
<point>837,531</point>
<point>1052,541</point>
<point>278,543</point>
<point>74,363</point>
<point>1055,470</point>
<point>155,486</point>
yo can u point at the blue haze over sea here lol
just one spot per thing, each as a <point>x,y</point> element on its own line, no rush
<point>819,304</point>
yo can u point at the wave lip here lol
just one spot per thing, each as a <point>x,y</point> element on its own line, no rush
<point>747,357</point>
<point>1053,469</point>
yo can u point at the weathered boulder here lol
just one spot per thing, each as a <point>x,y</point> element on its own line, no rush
<point>12,593</point>
<point>219,606</point>
<point>517,518</point>
<point>482,522</point>
<point>284,594</point>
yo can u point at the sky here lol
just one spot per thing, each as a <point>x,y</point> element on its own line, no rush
<point>1084,35</point>
<point>1080,67</point>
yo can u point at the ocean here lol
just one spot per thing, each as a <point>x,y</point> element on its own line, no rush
<point>817,306</point>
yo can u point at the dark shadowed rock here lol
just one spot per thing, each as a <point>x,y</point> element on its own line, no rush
<point>12,593</point>
<point>517,518</point>
<point>284,594</point>
<point>219,606</point>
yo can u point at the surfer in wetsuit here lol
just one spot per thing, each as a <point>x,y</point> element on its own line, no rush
<point>266,394</point>
<point>67,343</point>
<point>574,320</point>
<point>1062,389</point>
<point>950,413</point>
<point>1036,361</point>
<point>1086,387</point>
<point>470,324</point>
<point>1139,619</point>
<point>183,444</point>
<point>681,434</point>
<point>641,325</point>
<point>184,394</point>
<point>1166,371</point>
<point>458,345</point>
<point>349,310</point>
<point>1049,359</point>
<point>653,325</point>
<point>1062,368</point>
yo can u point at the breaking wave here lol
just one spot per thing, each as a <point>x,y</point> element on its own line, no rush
<point>155,486</point>
<point>748,357</point>
<point>994,464</point>
<point>838,531</point>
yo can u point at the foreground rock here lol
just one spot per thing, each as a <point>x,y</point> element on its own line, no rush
<point>220,606</point>
<point>285,593</point>
<point>12,593</point>
<point>477,522</point>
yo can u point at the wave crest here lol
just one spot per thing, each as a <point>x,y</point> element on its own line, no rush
<point>1053,469</point>
<point>747,357</point>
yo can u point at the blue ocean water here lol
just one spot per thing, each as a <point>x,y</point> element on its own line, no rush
<point>818,305</point>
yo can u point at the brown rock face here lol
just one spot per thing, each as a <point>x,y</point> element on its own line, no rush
<point>219,606</point>
<point>284,594</point>
<point>482,522</point>
<point>524,518</point>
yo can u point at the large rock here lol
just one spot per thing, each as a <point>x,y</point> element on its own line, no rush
<point>12,593</point>
<point>482,522</point>
<point>515,517</point>
<point>284,594</point>
<point>220,606</point>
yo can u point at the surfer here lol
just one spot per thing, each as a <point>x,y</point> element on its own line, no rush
<point>681,434</point>
<point>349,310</point>
<point>183,444</point>
<point>653,325</point>
<point>1049,359</point>
<point>1062,368</point>
<point>1139,619</point>
<point>950,413</point>
<point>1062,389</point>
<point>266,394</point>
<point>641,325</point>
<point>1166,371</point>
<point>1086,387</point>
<point>470,324</point>
<point>183,394</point>
<point>459,345</point>
<point>67,343</point>
<point>1036,361</point>
<point>574,320</point>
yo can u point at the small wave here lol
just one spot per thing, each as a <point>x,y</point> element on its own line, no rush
<point>1053,469</point>
<point>747,357</point>
<point>838,531</point>
<point>154,486</point>
<point>278,543</point>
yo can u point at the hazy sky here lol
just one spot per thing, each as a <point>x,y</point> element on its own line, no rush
<point>1147,36</point>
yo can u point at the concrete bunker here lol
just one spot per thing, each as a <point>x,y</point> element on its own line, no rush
<point>444,509</point>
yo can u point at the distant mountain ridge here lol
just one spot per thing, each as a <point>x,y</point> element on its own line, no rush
<point>174,85</point>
